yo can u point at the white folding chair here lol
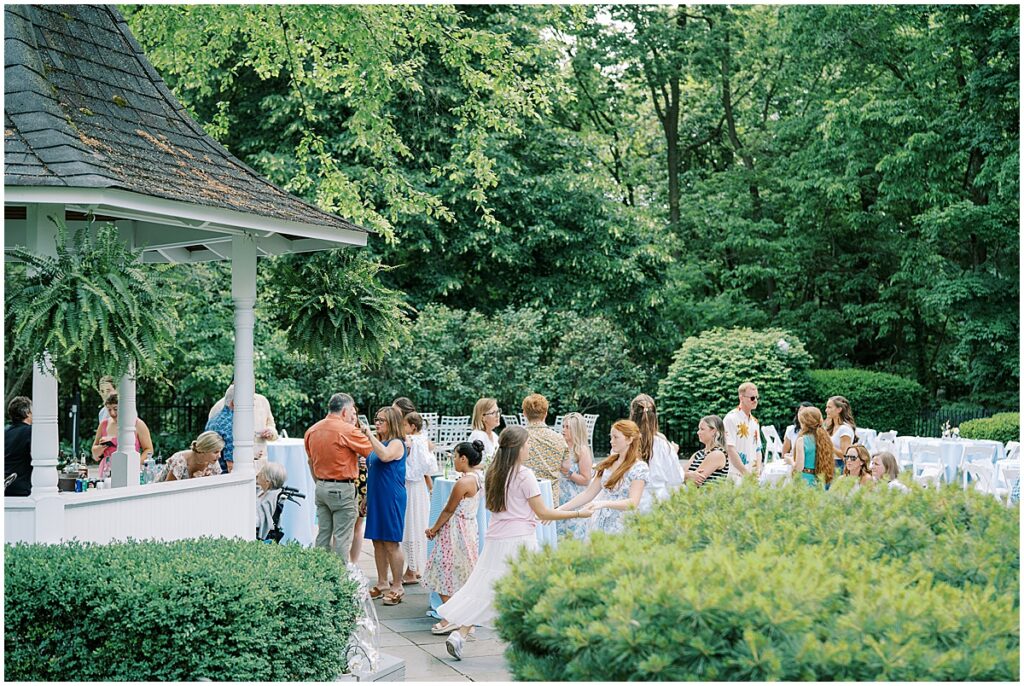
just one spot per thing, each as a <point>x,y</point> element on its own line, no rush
<point>557,428</point>
<point>430,420</point>
<point>1008,471</point>
<point>1012,450</point>
<point>926,461</point>
<point>454,421</point>
<point>974,455</point>
<point>889,436</point>
<point>522,419</point>
<point>510,420</point>
<point>867,438</point>
<point>772,443</point>
<point>983,474</point>
<point>591,420</point>
<point>448,436</point>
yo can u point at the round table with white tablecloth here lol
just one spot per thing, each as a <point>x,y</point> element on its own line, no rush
<point>298,520</point>
<point>546,531</point>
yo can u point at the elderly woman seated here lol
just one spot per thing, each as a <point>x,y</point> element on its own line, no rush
<point>269,483</point>
<point>201,459</point>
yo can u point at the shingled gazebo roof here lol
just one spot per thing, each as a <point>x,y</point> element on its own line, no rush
<point>90,124</point>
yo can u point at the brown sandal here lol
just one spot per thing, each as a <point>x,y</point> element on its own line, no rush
<point>377,592</point>
<point>392,598</point>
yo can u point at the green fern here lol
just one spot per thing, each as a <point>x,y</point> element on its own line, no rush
<point>333,306</point>
<point>92,307</point>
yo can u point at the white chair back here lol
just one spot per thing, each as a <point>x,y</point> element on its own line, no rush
<point>974,455</point>
<point>454,421</point>
<point>430,421</point>
<point>983,475</point>
<point>1012,450</point>
<point>510,420</point>
<point>930,474</point>
<point>923,455</point>
<point>591,420</point>
<point>557,428</point>
<point>772,443</point>
<point>522,419</point>
<point>1007,472</point>
<point>885,447</point>
<point>867,438</point>
<point>449,435</point>
<point>886,436</point>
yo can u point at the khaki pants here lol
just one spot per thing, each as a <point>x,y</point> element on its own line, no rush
<point>335,515</point>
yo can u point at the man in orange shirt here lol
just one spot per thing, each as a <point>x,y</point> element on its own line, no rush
<point>333,446</point>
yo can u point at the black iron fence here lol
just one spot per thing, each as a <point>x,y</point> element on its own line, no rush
<point>174,425</point>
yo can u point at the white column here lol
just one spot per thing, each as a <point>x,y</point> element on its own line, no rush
<point>243,292</point>
<point>49,515</point>
<point>124,463</point>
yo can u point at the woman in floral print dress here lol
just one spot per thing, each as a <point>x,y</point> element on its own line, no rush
<point>455,533</point>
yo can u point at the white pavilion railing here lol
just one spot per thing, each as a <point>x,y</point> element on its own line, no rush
<point>211,506</point>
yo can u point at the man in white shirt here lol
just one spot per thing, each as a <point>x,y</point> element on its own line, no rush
<point>743,435</point>
<point>262,421</point>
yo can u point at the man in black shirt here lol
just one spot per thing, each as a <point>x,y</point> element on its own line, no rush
<point>18,447</point>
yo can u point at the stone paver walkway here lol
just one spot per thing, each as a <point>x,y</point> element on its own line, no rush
<point>405,633</point>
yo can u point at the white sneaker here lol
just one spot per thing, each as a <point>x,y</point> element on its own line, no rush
<point>454,645</point>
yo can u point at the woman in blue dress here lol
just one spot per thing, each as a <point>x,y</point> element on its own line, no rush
<point>812,454</point>
<point>385,503</point>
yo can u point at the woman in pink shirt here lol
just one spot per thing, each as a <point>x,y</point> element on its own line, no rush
<point>513,498</point>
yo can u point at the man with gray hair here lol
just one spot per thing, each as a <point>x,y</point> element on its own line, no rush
<point>333,447</point>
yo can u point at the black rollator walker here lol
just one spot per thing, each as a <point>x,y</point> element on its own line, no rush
<point>275,534</point>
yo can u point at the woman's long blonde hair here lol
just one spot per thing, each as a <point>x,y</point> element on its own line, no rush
<point>824,459</point>
<point>483,405</point>
<point>629,429</point>
<point>578,429</point>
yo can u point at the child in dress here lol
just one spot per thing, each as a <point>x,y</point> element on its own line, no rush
<point>620,484</point>
<point>513,497</point>
<point>420,465</point>
<point>455,533</point>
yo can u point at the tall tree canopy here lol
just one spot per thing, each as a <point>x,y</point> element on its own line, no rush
<point>849,173</point>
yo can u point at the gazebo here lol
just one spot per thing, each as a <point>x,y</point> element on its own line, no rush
<point>90,128</point>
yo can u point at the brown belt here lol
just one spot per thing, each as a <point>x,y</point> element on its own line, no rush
<point>808,471</point>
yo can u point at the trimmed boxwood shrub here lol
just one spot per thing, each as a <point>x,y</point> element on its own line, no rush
<point>215,609</point>
<point>880,401</point>
<point>707,370</point>
<point>1002,427</point>
<point>776,584</point>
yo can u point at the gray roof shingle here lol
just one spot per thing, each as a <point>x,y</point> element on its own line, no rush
<point>84,108</point>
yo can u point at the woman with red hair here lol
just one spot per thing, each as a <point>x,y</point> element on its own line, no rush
<point>619,484</point>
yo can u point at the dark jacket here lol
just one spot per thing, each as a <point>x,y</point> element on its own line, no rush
<point>18,458</point>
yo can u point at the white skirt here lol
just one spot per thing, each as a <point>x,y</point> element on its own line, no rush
<point>473,604</point>
<point>417,514</point>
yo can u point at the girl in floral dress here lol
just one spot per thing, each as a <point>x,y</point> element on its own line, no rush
<point>620,483</point>
<point>455,533</point>
<point>577,471</point>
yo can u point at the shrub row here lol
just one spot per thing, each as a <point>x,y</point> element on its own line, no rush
<point>707,369</point>
<point>1003,427</point>
<point>879,400</point>
<point>221,610</point>
<point>767,584</point>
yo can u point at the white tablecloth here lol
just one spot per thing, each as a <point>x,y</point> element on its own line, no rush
<point>546,532</point>
<point>298,521</point>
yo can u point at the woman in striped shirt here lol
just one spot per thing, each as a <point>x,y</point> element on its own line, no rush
<point>708,464</point>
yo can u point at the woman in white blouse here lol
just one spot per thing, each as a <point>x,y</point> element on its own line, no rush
<point>486,417</point>
<point>662,456</point>
<point>841,427</point>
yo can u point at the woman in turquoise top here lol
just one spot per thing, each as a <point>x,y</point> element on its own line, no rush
<point>812,454</point>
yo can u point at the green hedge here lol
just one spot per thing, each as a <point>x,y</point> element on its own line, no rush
<point>707,370</point>
<point>204,609</point>
<point>777,584</point>
<point>880,401</point>
<point>1003,427</point>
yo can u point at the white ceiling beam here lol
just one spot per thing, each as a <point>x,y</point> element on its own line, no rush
<point>140,207</point>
